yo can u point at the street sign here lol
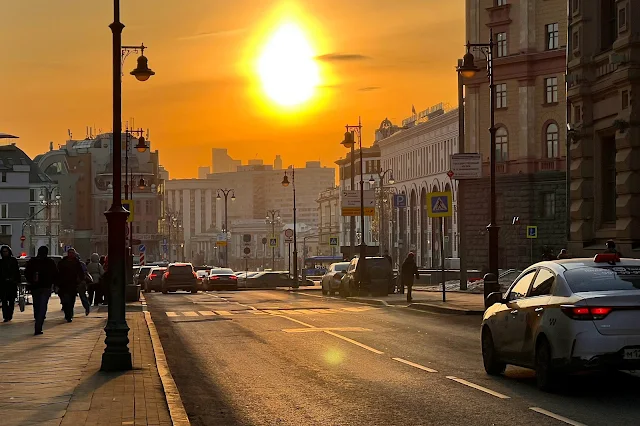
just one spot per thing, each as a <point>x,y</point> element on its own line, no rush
<point>399,201</point>
<point>129,206</point>
<point>466,166</point>
<point>532,232</point>
<point>288,235</point>
<point>333,241</point>
<point>450,174</point>
<point>246,238</point>
<point>67,248</point>
<point>351,202</point>
<point>439,204</point>
<point>221,240</point>
<point>264,240</point>
<point>273,242</point>
<point>142,248</point>
<point>247,250</point>
<point>23,238</point>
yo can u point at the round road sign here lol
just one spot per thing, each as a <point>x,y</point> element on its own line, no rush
<point>264,240</point>
<point>247,250</point>
<point>288,233</point>
<point>23,238</point>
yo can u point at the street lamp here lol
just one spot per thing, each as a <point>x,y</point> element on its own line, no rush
<point>349,142</point>
<point>116,356</point>
<point>273,217</point>
<point>468,69</point>
<point>226,193</point>
<point>285,183</point>
<point>382,230</point>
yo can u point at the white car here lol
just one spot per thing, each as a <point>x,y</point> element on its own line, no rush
<point>331,279</point>
<point>565,316</point>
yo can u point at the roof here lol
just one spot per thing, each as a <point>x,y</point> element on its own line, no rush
<point>587,262</point>
<point>11,155</point>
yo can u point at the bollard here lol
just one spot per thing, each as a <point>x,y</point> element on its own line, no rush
<point>490,285</point>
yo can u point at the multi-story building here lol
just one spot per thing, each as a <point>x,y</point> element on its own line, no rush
<point>604,125</point>
<point>29,206</point>
<point>83,170</point>
<point>221,161</point>
<point>417,157</point>
<point>529,67</point>
<point>329,218</point>
<point>203,172</point>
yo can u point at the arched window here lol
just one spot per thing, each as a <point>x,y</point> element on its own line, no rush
<point>551,135</point>
<point>502,144</point>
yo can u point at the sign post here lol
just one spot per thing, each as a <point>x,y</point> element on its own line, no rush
<point>351,203</point>
<point>532,234</point>
<point>440,204</point>
<point>142,249</point>
<point>466,166</point>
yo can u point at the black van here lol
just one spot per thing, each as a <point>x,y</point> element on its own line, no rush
<point>374,278</point>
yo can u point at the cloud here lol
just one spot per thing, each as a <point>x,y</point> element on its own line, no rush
<point>342,57</point>
<point>210,34</point>
<point>369,88</point>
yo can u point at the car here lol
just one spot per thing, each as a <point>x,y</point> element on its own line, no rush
<point>269,279</point>
<point>331,280</point>
<point>202,278</point>
<point>153,282</point>
<point>566,316</point>
<point>222,279</point>
<point>374,278</point>
<point>179,276</point>
<point>140,275</point>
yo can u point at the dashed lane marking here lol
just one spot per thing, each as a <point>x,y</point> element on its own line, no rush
<point>556,416</point>
<point>250,309</point>
<point>308,330</point>
<point>190,314</point>
<point>346,339</point>
<point>413,364</point>
<point>171,314</point>
<point>478,387</point>
<point>224,313</point>
<point>206,313</point>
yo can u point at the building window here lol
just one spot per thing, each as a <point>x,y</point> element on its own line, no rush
<point>501,2</point>
<point>4,176</point>
<point>577,114</point>
<point>551,90</point>
<point>575,6</point>
<point>608,25</point>
<point>576,40</point>
<point>4,211</point>
<point>625,99</point>
<point>622,19</point>
<point>32,211</point>
<point>502,45</point>
<point>5,229</point>
<point>552,36</point>
<point>32,195</point>
<point>502,144</point>
<point>549,205</point>
<point>552,140</point>
<point>501,95</point>
<point>608,172</point>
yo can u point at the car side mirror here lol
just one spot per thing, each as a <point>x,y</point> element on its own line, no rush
<point>493,298</point>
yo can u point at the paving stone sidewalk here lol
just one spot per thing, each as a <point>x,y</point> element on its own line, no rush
<point>55,378</point>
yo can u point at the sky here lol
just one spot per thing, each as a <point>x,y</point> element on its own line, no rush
<point>372,58</point>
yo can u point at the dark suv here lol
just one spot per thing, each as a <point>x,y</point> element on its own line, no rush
<point>374,278</point>
<point>179,276</point>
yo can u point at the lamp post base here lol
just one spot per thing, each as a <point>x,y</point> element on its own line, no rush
<point>116,356</point>
<point>494,242</point>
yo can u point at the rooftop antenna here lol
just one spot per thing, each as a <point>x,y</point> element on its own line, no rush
<point>148,133</point>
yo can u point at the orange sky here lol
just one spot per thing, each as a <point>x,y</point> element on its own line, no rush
<point>381,56</point>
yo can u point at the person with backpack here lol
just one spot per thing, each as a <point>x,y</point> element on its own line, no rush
<point>9,281</point>
<point>41,274</point>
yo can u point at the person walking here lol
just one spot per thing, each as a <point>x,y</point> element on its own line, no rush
<point>84,285</point>
<point>388,257</point>
<point>70,276</point>
<point>95,269</point>
<point>611,248</point>
<point>408,271</point>
<point>563,254</point>
<point>9,281</point>
<point>41,274</point>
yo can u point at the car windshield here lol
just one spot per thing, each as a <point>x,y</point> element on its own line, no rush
<point>341,266</point>
<point>378,262</point>
<point>610,278</point>
<point>222,271</point>
<point>180,269</point>
<point>144,271</point>
<point>201,273</point>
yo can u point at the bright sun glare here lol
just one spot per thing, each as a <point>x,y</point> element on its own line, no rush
<point>287,68</point>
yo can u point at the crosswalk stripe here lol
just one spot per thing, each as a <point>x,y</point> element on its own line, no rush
<point>190,314</point>
<point>223,313</point>
<point>171,314</point>
<point>259,313</point>
<point>206,313</point>
<point>321,311</point>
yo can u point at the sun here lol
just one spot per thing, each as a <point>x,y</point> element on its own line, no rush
<point>287,69</point>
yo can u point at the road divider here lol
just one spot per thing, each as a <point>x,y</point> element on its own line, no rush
<point>556,416</point>
<point>478,387</point>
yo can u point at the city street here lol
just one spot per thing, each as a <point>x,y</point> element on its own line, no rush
<point>277,357</point>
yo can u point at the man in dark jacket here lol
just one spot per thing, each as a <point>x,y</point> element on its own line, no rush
<point>70,275</point>
<point>9,281</point>
<point>41,274</point>
<point>408,271</point>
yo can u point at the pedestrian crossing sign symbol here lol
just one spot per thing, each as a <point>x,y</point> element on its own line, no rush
<point>333,241</point>
<point>440,204</point>
<point>273,242</point>
<point>532,232</point>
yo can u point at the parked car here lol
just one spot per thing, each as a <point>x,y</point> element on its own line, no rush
<point>179,276</point>
<point>375,277</point>
<point>222,279</point>
<point>153,282</point>
<point>331,280</point>
<point>270,279</point>
<point>140,275</point>
<point>566,316</point>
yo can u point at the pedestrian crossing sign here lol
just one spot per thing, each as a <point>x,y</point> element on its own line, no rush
<point>333,241</point>
<point>273,242</point>
<point>440,204</point>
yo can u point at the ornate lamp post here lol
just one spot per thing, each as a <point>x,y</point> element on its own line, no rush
<point>116,356</point>
<point>349,142</point>
<point>226,193</point>
<point>468,69</point>
<point>273,218</point>
<point>285,183</point>
<point>372,181</point>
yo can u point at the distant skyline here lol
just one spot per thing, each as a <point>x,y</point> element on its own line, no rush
<point>375,58</point>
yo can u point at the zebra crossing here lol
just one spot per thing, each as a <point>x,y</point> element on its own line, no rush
<point>272,311</point>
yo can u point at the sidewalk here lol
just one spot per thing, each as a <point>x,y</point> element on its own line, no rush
<point>456,303</point>
<point>55,378</point>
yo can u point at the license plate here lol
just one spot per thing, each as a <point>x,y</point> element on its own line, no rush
<point>632,353</point>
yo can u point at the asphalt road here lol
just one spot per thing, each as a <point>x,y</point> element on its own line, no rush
<point>279,358</point>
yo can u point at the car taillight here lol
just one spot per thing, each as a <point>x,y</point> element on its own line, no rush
<point>233,277</point>
<point>214,277</point>
<point>585,312</point>
<point>166,275</point>
<point>152,276</point>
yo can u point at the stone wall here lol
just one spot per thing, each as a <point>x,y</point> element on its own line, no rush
<point>517,195</point>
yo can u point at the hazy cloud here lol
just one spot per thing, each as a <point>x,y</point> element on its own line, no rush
<point>368,88</point>
<point>342,57</point>
<point>210,34</point>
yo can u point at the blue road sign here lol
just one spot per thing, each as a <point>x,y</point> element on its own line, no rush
<point>66,248</point>
<point>400,201</point>
<point>439,204</point>
<point>142,248</point>
<point>532,232</point>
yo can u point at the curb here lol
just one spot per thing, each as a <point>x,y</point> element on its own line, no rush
<point>174,402</point>
<point>444,309</point>
<point>375,302</point>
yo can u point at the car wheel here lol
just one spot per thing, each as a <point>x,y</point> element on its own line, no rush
<point>165,291</point>
<point>324,292</point>
<point>194,290</point>
<point>547,378</point>
<point>492,363</point>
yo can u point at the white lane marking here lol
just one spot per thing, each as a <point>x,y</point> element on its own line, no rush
<point>206,313</point>
<point>171,314</point>
<point>308,330</point>
<point>307,311</point>
<point>259,313</point>
<point>413,364</point>
<point>223,313</point>
<point>556,416</point>
<point>346,339</point>
<point>478,387</point>
<point>190,314</point>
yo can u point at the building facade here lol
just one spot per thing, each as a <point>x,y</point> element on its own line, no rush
<point>605,125</point>
<point>329,215</point>
<point>221,161</point>
<point>529,67</point>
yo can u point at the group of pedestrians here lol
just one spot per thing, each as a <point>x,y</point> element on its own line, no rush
<point>70,278</point>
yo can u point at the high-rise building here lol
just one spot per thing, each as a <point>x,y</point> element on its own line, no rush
<point>604,128</point>
<point>277,163</point>
<point>221,161</point>
<point>203,172</point>
<point>529,67</point>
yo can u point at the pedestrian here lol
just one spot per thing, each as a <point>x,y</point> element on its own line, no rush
<point>611,248</point>
<point>563,254</point>
<point>41,274</point>
<point>388,257</point>
<point>84,285</point>
<point>70,276</point>
<point>104,285</point>
<point>408,271</point>
<point>95,269</point>
<point>547,254</point>
<point>9,281</point>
